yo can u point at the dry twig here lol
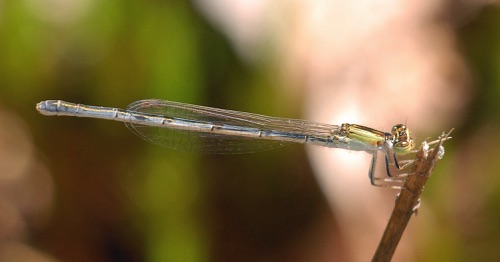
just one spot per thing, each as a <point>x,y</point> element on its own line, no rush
<point>408,199</point>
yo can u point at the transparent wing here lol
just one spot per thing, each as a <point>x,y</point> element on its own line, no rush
<point>208,142</point>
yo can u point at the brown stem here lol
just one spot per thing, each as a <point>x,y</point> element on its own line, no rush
<point>408,199</point>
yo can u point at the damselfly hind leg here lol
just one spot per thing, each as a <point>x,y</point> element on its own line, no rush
<point>392,180</point>
<point>372,169</point>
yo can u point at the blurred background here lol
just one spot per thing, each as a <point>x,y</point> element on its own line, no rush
<point>74,189</point>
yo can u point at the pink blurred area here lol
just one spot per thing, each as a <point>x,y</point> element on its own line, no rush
<point>26,191</point>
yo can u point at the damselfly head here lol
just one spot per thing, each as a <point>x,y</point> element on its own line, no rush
<point>402,141</point>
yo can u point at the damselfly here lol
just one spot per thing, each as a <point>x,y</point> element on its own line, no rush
<point>212,130</point>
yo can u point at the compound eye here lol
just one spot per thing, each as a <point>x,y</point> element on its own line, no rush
<point>399,130</point>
